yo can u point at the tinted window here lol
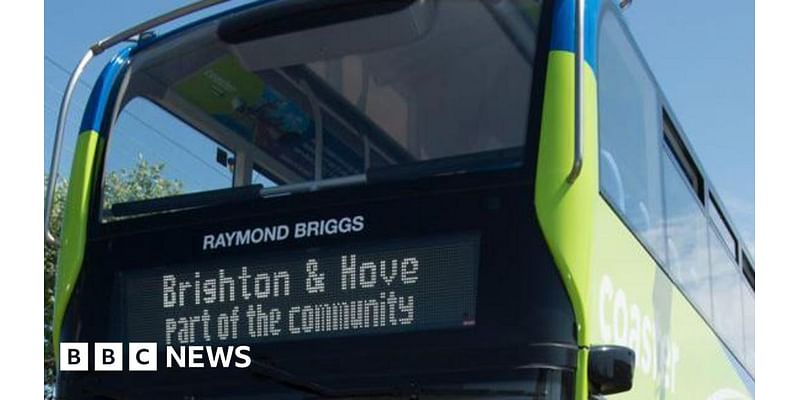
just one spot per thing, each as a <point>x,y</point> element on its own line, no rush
<point>432,88</point>
<point>726,289</point>
<point>630,138</point>
<point>720,224</point>
<point>749,311</point>
<point>687,236</point>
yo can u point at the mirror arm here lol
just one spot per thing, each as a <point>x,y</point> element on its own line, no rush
<point>58,141</point>
<point>577,158</point>
<point>94,50</point>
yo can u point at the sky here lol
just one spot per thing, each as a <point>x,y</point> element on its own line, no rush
<point>701,52</point>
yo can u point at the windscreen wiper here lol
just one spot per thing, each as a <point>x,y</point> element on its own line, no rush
<point>311,186</point>
<point>413,393</point>
<point>317,391</point>
<point>409,391</point>
<point>285,378</point>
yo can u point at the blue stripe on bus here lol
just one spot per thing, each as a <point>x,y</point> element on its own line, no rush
<point>563,36</point>
<point>99,98</point>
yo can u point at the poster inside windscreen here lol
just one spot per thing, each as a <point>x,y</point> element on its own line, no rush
<point>375,288</point>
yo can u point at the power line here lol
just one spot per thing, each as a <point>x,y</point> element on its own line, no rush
<point>147,125</point>
<point>65,70</point>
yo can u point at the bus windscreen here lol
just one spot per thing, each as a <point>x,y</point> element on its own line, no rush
<point>442,82</point>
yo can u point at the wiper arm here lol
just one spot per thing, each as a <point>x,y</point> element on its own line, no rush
<point>311,186</point>
<point>411,391</point>
<point>286,378</point>
<point>473,392</point>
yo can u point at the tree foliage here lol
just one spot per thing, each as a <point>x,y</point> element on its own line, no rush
<point>143,181</point>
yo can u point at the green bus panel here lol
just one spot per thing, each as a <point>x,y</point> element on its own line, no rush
<point>633,303</point>
<point>563,209</point>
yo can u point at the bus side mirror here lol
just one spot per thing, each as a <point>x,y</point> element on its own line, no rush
<point>610,369</point>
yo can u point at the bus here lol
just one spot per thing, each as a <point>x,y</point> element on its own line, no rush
<point>396,199</point>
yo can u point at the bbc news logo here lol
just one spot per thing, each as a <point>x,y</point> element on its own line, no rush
<point>74,356</point>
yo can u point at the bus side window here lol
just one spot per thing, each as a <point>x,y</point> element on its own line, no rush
<point>749,315</point>
<point>630,167</point>
<point>687,236</point>
<point>722,227</point>
<point>726,290</point>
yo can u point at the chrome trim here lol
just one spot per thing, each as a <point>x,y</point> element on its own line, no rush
<point>577,162</point>
<point>58,141</point>
<point>94,50</point>
<point>145,26</point>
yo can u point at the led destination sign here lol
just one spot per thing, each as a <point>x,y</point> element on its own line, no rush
<point>391,287</point>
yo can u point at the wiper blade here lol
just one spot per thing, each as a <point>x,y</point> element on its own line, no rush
<point>411,391</point>
<point>313,185</point>
<point>286,378</point>
<point>414,393</point>
<point>475,392</point>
